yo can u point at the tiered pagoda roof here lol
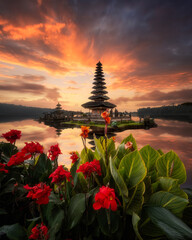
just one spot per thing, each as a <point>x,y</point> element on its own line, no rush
<point>58,106</point>
<point>98,96</point>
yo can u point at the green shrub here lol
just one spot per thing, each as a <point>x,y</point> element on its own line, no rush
<point>146,183</point>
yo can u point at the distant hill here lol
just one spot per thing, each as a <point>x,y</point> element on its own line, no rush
<point>11,112</point>
<point>179,112</point>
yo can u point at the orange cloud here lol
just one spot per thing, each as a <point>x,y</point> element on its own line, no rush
<point>63,37</point>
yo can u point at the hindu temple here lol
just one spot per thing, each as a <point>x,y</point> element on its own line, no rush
<point>99,97</point>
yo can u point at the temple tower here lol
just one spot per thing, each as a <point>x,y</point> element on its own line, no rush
<point>58,108</point>
<point>99,94</point>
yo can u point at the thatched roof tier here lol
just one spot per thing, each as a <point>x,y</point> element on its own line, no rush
<point>99,83</point>
<point>99,78</point>
<point>97,105</point>
<point>99,75</point>
<point>58,106</point>
<point>99,91</point>
<point>99,88</point>
<point>99,97</point>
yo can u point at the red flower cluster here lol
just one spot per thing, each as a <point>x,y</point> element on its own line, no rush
<point>59,175</point>
<point>105,198</point>
<point>74,157</point>
<point>90,167</point>
<point>40,192</point>
<point>32,148</point>
<point>18,158</point>
<point>2,168</point>
<point>105,115</point>
<point>12,135</point>
<point>85,131</point>
<point>39,232</point>
<point>54,152</point>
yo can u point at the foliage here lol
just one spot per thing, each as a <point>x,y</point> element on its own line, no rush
<point>145,186</point>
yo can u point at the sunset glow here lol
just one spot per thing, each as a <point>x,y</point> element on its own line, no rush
<point>49,50</point>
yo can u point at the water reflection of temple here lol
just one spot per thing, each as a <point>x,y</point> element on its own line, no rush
<point>58,131</point>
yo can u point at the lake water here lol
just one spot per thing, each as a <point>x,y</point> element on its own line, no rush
<point>169,135</point>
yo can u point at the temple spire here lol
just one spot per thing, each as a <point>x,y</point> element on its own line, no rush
<point>99,94</point>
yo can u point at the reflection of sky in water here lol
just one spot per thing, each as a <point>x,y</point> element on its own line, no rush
<point>169,135</point>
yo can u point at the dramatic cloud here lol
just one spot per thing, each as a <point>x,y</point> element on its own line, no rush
<point>35,89</point>
<point>30,78</point>
<point>157,97</point>
<point>143,45</point>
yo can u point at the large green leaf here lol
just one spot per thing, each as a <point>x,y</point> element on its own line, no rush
<point>132,168</point>
<point>169,165</point>
<point>81,182</point>
<point>8,149</point>
<point>86,156</point>
<point>150,156</point>
<point>120,153</point>
<point>99,148</point>
<point>169,201</point>
<point>110,146</point>
<point>96,154</point>
<point>136,199</point>
<point>172,226</point>
<point>74,173</point>
<point>119,181</point>
<point>14,232</point>
<point>135,221</point>
<point>57,218</point>
<point>107,177</point>
<point>188,191</point>
<point>160,151</point>
<point>130,138</point>
<point>76,209</point>
<point>171,185</point>
<point>148,188</point>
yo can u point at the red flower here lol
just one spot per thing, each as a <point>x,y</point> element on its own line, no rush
<point>105,115</point>
<point>105,198</point>
<point>113,138</point>
<point>12,135</point>
<point>90,167</point>
<point>32,148</point>
<point>59,175</point>
<point>107,120</point>
<point>85,131</point>
<point>40,192</point>
<point>74,157</point>
<point>39,232</point>
<point>2,168</point>
<point>129,145</point>
<point>18,158</point>
<point>54,152</point>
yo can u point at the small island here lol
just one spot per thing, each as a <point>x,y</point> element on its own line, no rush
<point>98,104</point>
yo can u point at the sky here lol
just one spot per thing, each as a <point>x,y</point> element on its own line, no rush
<point>49,50</point>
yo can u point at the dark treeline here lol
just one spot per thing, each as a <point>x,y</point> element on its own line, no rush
<point>179,112</point>
<point>11,112</point>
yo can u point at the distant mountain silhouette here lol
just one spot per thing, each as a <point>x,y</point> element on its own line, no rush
<point>179,112</point>
<point>11,112</point>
